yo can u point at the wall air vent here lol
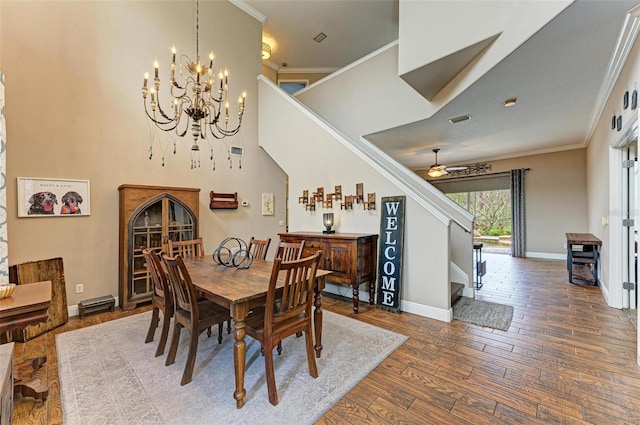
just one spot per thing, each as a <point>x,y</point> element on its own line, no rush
<point>236,150</point>
<point>460,119</point>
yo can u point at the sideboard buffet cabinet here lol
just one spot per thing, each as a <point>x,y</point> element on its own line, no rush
<point>351,257</point>
<point>150,216</point>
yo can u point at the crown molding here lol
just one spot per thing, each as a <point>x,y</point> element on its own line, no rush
<point>271,65</point>
<point>249,10</point>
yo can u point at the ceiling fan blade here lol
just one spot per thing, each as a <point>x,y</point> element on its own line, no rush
<point>456,168</point>
<point>438,167</point>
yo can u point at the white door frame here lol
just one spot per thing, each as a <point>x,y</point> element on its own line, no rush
<point>618,258</point>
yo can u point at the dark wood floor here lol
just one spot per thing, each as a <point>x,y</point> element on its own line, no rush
<point>567,358</point>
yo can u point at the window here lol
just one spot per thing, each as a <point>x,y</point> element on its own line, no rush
<point>489,199</point>
<point>292,86</point>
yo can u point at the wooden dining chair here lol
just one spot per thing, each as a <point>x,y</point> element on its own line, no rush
<point>186,249</point>
<point>259,247</point>
<point>194,315</point>
<point>288,251</point>
<point>161,299</point>
<point>271,324</point>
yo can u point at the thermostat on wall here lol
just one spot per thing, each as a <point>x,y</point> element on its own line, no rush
<point>236,150</point>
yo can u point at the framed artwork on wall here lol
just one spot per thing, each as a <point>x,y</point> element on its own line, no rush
<point>44,197</point>
<point>267,204</point>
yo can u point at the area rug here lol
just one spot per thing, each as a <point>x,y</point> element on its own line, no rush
<point>108,375</point>
<point>483,313</point>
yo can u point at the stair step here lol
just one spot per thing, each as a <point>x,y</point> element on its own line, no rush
<point>456,291</point>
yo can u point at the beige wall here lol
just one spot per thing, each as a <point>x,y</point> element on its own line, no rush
<point>269,72</point>
<point>599,155</point>
<point>555,198</point>
<point>74,110</point>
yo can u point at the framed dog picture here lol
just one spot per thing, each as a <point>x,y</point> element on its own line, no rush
<point>41,197</point>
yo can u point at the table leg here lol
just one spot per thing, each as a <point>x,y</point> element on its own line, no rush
<point>239,314</point>
<point>23,381</point>
<point>317,314</point>
<point>356,297</point>
<point>570,261</point>
<point>372,291</point>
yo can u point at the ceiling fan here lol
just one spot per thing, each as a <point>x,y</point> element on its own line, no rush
<point>438,170</point>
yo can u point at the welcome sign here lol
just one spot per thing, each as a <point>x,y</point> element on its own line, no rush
<point>390,256</point>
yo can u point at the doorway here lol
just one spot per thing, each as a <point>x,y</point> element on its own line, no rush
<point>623,219</point>
<point>488,197</point>
<point>492,209</point>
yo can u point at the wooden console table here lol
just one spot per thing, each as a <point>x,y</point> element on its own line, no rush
<point>588,256</point>
<point>351,257</point>
<point>28,305</point>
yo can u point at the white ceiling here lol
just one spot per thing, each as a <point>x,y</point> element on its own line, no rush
<point>556,76</point>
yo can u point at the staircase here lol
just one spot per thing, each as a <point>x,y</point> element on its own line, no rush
<point>456,292</point>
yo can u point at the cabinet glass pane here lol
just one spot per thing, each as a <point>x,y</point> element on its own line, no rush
<point>181,221</point>
<point>140,287</point>
<point>154,214</point>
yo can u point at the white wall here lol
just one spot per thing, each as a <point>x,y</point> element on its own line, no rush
<point>313,156</point>
<point>371,96</point>
<point>431,30</point>
<point>74,72</point>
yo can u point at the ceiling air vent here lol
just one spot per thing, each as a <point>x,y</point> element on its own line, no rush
<point>460,119</point>
<point>320,37</point>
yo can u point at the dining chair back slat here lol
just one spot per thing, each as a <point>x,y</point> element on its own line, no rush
<point>259,247</point>
<point>186,249</point>
<point>289,251</point>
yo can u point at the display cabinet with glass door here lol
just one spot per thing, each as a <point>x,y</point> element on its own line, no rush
<point>149,217</point>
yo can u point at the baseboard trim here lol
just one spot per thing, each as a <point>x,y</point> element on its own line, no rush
<point>406,306</point>
<point>427,311</point>
<point>545,255</point>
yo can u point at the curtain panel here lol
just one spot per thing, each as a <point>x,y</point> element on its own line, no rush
<point>517,213</point>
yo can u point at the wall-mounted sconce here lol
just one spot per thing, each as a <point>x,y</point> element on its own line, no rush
<point>327,219</point>
<point>359,197</point>
<point>348,203</point>
<point>304,199</point>
<point>371,201</point>
<point>338,193</point>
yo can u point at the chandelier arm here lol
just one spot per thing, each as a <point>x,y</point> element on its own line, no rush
<point>159,123</point>
<point>224,132</point>
<point>165,116</point>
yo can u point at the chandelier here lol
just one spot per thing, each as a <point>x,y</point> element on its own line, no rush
<point>197,100</point>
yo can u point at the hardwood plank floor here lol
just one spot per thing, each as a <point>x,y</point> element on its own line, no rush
<point>567,358</point>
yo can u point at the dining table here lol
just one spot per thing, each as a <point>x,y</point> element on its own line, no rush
<point>240,290</point>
